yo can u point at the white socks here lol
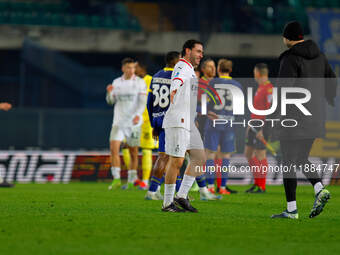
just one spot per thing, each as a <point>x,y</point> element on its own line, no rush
<point>132,176</point>
<point>318,187</point>
<point>291,206</point>
<point>185,186</point>
<point>204,190</point>
<point>115,171</point>
<point>169,192</point>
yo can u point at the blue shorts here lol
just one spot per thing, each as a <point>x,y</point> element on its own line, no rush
<point>161,141</point>
<point>225,138</point>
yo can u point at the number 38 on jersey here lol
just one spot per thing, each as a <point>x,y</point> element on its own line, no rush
<point>162,95</point>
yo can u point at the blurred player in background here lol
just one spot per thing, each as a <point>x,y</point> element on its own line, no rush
<point>158,103</point>
<point>3,184</point>
<point>128,94</point>
<point>209,72</point>
<point>147,142</point>
<point>220,136</point>
<point>255,150</point>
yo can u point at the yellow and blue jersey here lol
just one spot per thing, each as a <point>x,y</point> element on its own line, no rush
<point>223,109</point>
<point>159,97</point>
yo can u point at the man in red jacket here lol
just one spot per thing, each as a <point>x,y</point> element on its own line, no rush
<point>255,150</point>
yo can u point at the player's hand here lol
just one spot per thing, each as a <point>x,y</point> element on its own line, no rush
<point>259,135</point>
<point>212,115</point>
<point>5,106</point>
<point>109,88</point>
<point>155,134</point>
<point>172,95</point>
<point>135,120</point>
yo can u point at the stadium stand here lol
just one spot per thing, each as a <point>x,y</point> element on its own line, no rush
<point>63,13</point>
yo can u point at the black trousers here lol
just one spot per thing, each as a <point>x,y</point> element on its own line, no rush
<point>295,153</point>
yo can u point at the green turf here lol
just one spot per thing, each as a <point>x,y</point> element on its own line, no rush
<point>86,218</point>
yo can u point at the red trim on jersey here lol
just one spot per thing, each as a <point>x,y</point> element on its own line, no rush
<point>177,78</point>
<point>182,59</point>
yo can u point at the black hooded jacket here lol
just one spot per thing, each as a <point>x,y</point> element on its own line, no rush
<point>303,65</point>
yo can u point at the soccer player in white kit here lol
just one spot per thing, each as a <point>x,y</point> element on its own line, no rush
<point>181,133</point>
<point>128,93</point>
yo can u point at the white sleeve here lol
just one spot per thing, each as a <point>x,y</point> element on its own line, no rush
<point>142,98</point>
<point>110,98</point>
<point>178,79</point>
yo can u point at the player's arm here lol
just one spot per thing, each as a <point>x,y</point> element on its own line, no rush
<point>110,99</point>
<point>142,98</point>
<point>149,105</point>
<point>175,85</point>
<point>5,106</point>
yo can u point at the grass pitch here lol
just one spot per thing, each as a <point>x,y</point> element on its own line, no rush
<point>86,218</point>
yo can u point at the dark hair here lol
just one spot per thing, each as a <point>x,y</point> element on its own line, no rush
<point>170,57</point>
<point>128,61</point>
<point>142,64</point>
<point>262,68</point>
<point>189,45</point>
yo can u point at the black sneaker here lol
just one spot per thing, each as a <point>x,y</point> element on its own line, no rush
<point>230,190</point>
<point>258,190</point>
<point>6,185</point>
<point>185,204</point>
<point>172,208</point>
<point>288,215</point>
<point>251,189</point>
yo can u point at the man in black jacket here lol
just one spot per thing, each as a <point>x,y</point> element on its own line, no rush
<point>303,65</point>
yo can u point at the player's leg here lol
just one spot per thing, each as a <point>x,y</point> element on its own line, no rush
<point>158,170</point>
<point>224,172</point>
<point>262,174</point>
<point>116,137</point>
<point>156,178</point>
<point>227,147</point>
<point>132,136</point>
<point>249,152</point>
<point>171,171</point>
<point>211,140</point>
<point>147,143</point>
<point>321,194</point>
<point>194,169</point>
<point>289,150</point>
<point>126,155</point>
<point>176,142</point>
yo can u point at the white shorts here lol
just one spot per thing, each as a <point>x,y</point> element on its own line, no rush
<point>178,140</point>
<point>131,134</point>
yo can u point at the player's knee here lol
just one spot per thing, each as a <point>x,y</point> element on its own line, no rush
<point>177,162</point>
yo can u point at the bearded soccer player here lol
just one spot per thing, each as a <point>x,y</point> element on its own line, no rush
<point>147,142</point>
<point>220,135</point>
<point>255,150</point>
<point>181,134</point>
<point>128,94</point>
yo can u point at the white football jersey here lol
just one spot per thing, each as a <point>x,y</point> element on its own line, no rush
<point>126,97</point>
<point>182,111</point>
